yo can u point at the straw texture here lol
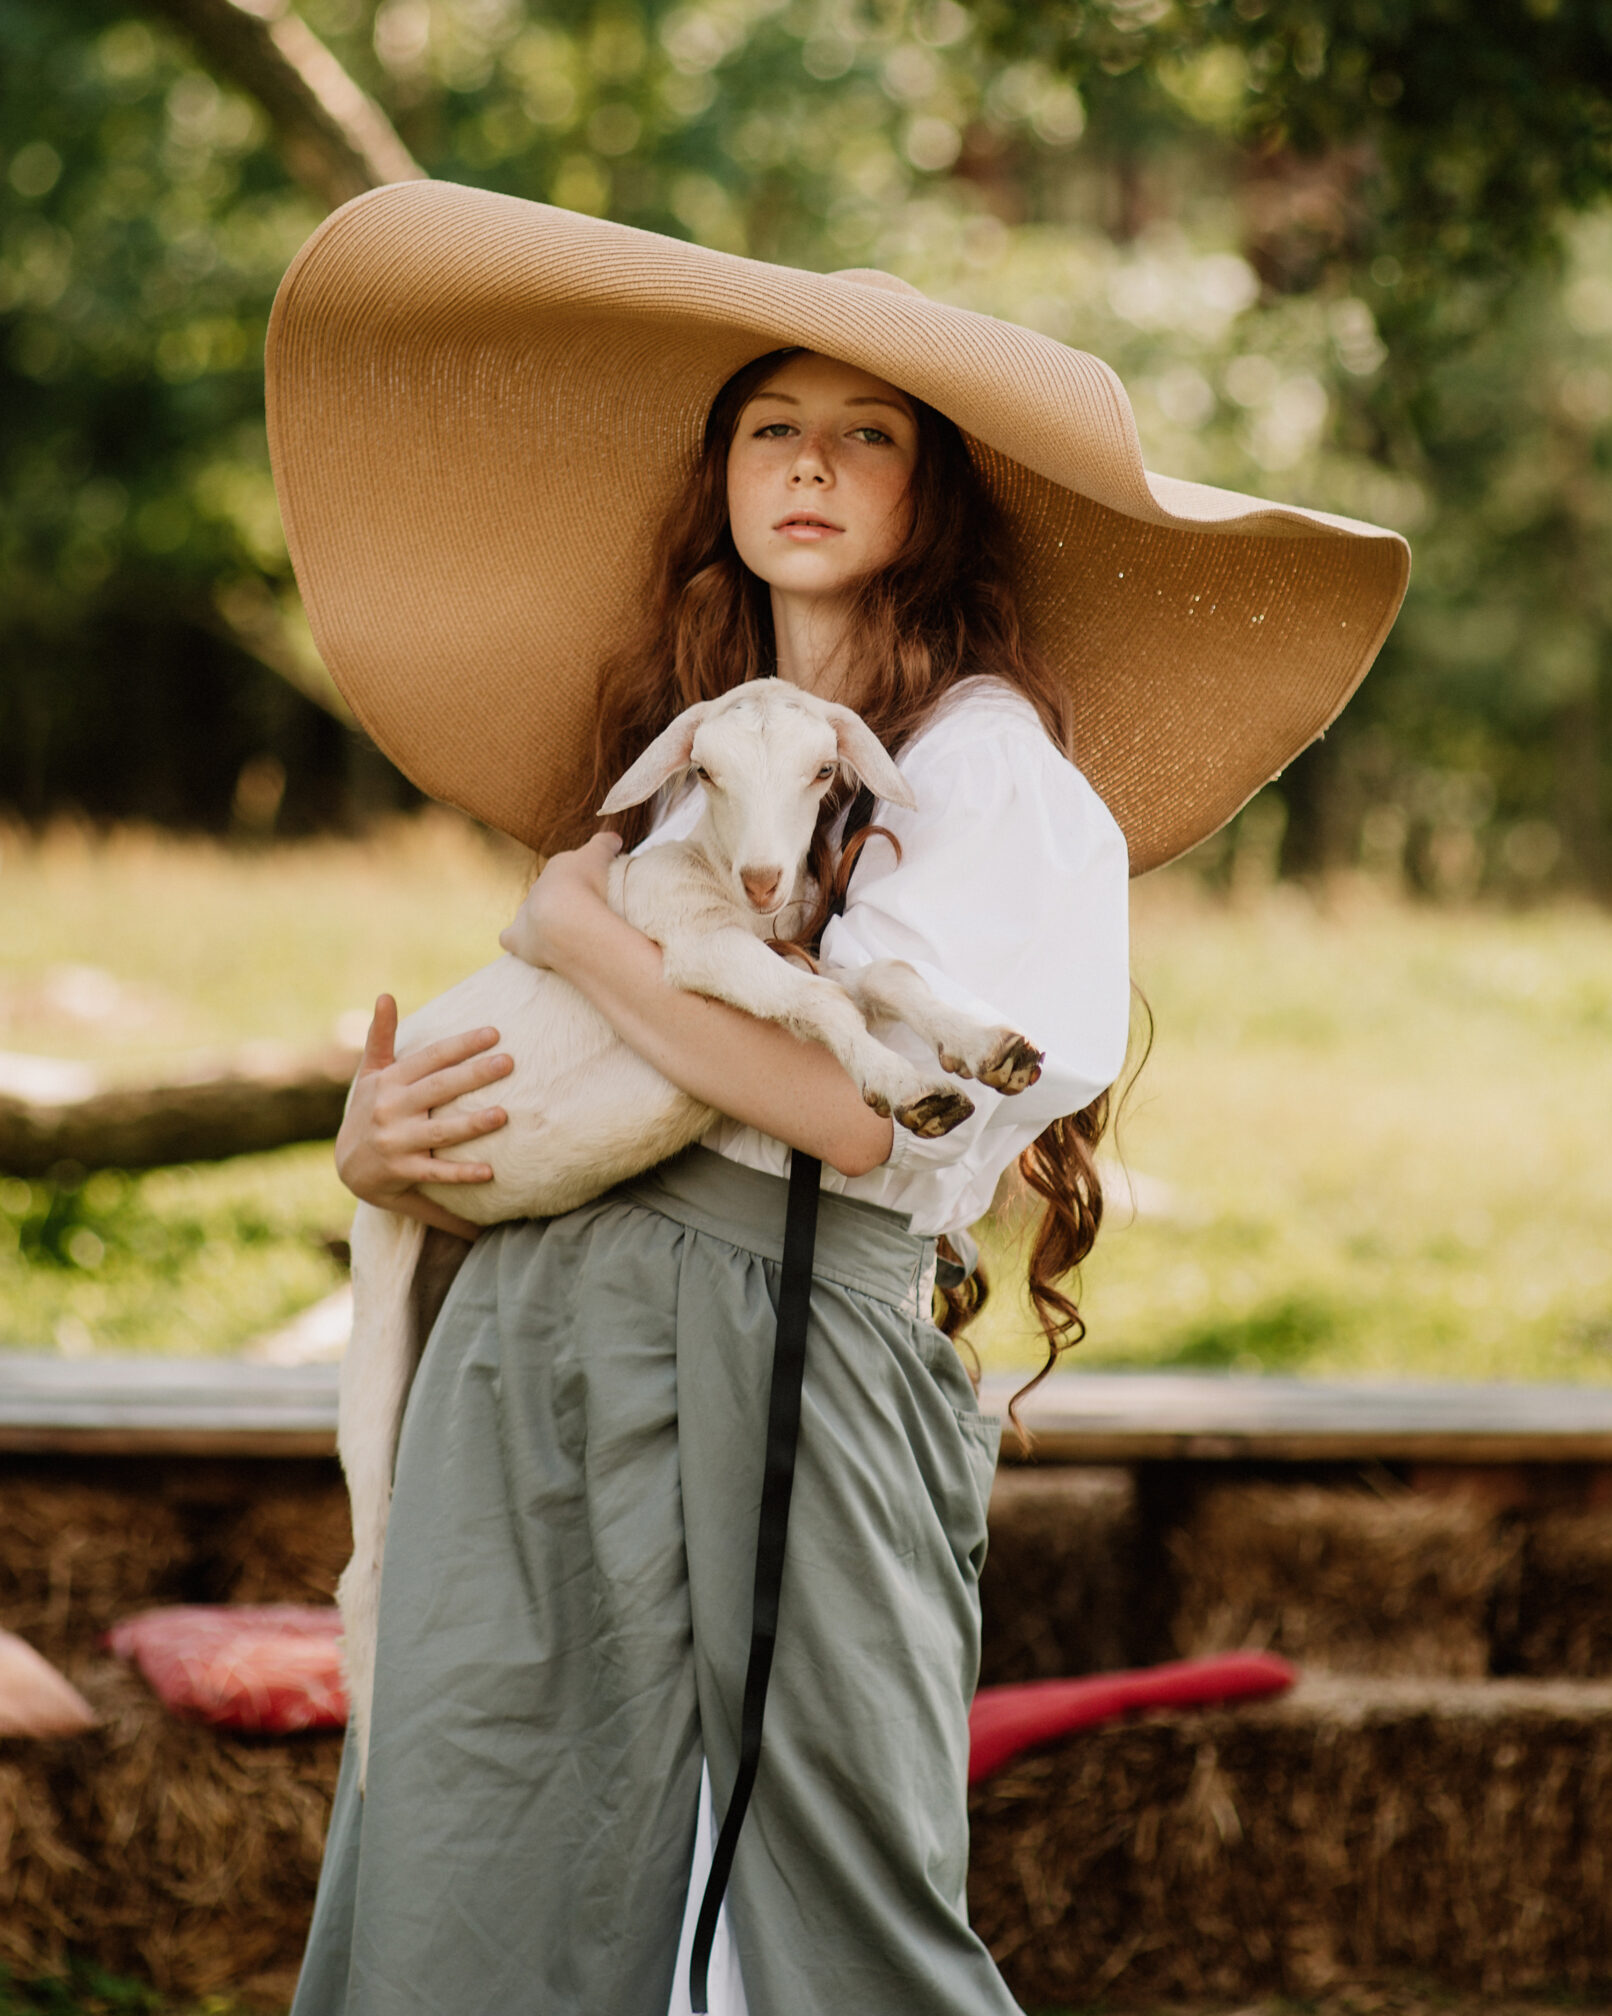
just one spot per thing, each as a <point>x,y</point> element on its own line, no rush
<point>1356,1829</point>
<point>480,407</point>
<point>1344,1579</point>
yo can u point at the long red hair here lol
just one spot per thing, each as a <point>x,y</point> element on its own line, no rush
<point>943,610</point>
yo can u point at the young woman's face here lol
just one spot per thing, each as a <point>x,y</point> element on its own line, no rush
<point>818,475</point>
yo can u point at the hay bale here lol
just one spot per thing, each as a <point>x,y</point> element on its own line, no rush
<point>1059,1574</point>
<point>75,1556</point>
<point>41,1871</point>
<point>286,1546</point>
<point>1341,1578</point>
<point>1357,1829</point>
<point>1563,1604</point>
<point>172,1852</point>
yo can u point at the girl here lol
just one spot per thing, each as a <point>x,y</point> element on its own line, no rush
<point>566,1606</point>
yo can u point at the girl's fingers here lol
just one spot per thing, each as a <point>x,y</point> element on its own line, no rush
<point>379,1042</point>
<point>441,1086</point>
<point>449,1050</point>
<point>449,1130</point>
<point>424,1133</point>
<point>434,1169</point>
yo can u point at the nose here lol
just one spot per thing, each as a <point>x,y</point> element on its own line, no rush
<point>762,886</point>
<point>811,464</point>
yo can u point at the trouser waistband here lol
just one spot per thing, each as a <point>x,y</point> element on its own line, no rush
<point>860,1246</point>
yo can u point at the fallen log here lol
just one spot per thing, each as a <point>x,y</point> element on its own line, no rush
<point>265,1096</point>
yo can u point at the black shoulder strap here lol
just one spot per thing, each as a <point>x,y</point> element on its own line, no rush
<point>857,819</point>
<point>783,1429</point>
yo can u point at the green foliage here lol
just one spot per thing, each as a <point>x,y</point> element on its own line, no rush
<point>143,227</point>
<point>1331,244</point>
<point>1487,121</point>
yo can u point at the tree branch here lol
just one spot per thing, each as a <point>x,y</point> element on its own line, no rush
<point>334,138</point>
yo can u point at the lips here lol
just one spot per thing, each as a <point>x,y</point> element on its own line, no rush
<point>807,525</point>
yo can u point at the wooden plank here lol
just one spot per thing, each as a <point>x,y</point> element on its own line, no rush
<point>135,1406</point>
<point>165,1406</point>
<point>1128,1417</point>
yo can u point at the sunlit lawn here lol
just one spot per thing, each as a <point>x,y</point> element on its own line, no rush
<point>1386,1132</point>
<point>146,948</point>
<point>1379,1132</point>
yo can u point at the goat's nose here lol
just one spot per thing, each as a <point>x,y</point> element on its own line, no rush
<point>761,886</point>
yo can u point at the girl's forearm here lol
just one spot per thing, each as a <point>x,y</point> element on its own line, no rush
<point>754,1071</point>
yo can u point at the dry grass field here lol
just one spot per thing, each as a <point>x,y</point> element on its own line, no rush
<point>1372,1137</point>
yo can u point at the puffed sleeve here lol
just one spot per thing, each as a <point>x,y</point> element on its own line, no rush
<point>1010,898</point>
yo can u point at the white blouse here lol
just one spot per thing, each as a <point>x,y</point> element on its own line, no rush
<point>1010,898</point>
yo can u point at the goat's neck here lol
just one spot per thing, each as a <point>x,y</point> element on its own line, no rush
<point>702,843</point>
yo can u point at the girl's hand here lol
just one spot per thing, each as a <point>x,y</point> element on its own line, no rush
<point>570,886</point>
<point>384,1148</point>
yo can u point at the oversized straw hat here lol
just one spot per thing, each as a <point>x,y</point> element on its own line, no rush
<point>479,409</point>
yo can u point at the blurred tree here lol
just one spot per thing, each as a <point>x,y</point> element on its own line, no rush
<point>334,138</point>
<point>1330,244</point>
<point>1422,159</point>
<point>141,562</point>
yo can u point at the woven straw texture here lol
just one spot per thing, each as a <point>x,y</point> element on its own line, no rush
<point>480,408</point>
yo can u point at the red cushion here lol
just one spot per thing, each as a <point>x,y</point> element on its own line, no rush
<point>272,1667</point>
<point>1006,1720</point>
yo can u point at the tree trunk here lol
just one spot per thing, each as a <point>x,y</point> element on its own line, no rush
<point>1312,841</point>
<point>51,1114</point>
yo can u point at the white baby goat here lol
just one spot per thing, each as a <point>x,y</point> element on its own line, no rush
<point>585,1112</point>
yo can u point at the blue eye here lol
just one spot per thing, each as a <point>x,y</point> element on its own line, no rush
<point>872,435</point>
<point>773,430</point>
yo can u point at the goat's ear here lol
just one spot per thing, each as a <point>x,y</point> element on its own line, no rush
<point>862,751</point>
<point>671,751</point>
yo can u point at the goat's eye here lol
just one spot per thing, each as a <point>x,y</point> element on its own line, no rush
<point>826,772</point>
<point>702,773</point>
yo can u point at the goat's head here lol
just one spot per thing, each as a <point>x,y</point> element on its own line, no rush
<point>764,755</point>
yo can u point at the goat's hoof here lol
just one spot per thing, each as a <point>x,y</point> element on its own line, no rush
<point>878,1102</point>
<point>957,1066</point>
<point>1012,1065</point>
<point>934,1113</point>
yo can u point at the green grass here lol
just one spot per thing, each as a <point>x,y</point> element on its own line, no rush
<point>190,1260</point>
<point>1382,1126</point>
<point>138,948</point>
<point>86,1990</point>
<point>1385,1128</point>
<point>211,945</point>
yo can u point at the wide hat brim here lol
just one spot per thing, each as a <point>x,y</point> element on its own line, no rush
<point>480,409</point>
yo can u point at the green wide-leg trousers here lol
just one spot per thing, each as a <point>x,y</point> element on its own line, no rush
<point>565,1618</point>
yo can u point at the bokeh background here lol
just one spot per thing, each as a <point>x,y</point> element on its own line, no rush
<point>1352,254</point>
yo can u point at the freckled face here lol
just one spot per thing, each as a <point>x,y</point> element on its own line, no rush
<point>818,476</point>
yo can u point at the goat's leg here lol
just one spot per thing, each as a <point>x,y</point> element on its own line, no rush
<point>889,990</point>
<point>729,965</point>
<point>376,1371</point>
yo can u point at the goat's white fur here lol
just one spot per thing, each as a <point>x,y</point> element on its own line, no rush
<point>584,1111</point>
